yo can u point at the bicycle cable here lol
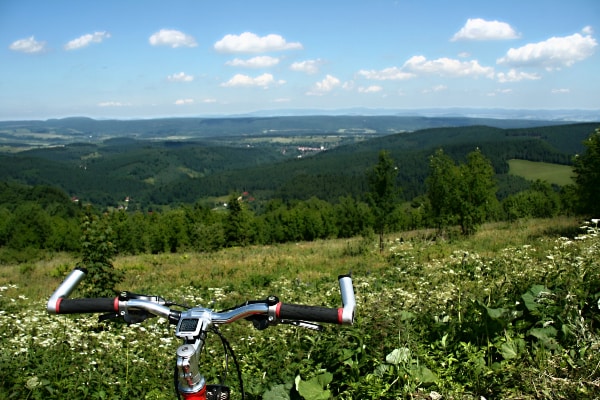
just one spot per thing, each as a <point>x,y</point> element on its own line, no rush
<point>227,347</point>
<point>176,381</point>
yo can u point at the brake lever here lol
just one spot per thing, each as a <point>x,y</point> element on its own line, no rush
<point>106,317</point>
<point>259,322</point>
<point>302,324</point>
<point>130,317</point>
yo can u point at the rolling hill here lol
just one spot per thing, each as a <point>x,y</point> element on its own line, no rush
<point>164,172</point>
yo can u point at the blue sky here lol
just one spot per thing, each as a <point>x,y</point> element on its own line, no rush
<point>146,59</point>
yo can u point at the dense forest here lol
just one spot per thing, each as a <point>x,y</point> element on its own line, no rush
<point>154,174</point>
<point>440,178</point>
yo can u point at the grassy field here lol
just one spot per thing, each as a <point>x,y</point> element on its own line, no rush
<point>507,313</point>
<point>305,261</point>
<point>552,173</point>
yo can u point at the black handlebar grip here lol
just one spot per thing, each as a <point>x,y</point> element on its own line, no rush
<point>95,305</point>
<point>309,313</point>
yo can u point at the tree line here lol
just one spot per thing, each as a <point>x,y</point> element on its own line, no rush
<point>460,194</point>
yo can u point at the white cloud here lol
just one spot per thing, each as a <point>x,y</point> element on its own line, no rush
<point>436,89</point>
<point>172,38</point>
<point>326,85</point>
<point>515,76</point>
<point>249,42</point>
<point>500,91</point>
<point>308,66</point>
<point>255,62</point>
<point>553,53</point>
<point>180,77</point>
<point>113,104</point>
<point>28,45</point>
<point>480,29</point>
<point>447,67</point>
<point>561,91</point>
<point>182,102</point>
<point>587,30</point>
<point>86,40</point>
<point>264,80</point>
<point>370,89</point>
<point>392,73</point>
<point>419,65</point>
<point>209,101</point>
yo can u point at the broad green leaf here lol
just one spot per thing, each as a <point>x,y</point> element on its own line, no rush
<point>532,295</point>
<point>398,356</point>
<point>498,313</point>
<point>314,388</point>
<point>509,351</point>
<point>546,335</point>
<point>512,348</point>
<point>543,333</point>
<point>381,370</point>
<point>278,392</point>
<point>424,375</point>
<point>406,316</point>
<point>324,379</point>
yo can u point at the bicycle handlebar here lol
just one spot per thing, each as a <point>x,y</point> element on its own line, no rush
<point>274,310</point>
<point>193,323</point>
<point>92,305</point>
<point>308,313</point>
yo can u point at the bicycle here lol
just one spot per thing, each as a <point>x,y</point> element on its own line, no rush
<point>192,324</point>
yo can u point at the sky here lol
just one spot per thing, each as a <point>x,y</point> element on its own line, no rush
<point>147,59</point>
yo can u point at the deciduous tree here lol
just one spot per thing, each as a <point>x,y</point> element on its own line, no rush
<point>463,194</point>
<point>477,192</point>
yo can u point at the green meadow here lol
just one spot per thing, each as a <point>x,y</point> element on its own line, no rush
<point>510,312</point>
<point>552,173</point>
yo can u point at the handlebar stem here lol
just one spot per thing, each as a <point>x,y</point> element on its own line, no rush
<point>189,378</point>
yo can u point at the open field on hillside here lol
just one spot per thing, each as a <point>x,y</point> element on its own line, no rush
<point>509,313</point>
<point>552,173</point>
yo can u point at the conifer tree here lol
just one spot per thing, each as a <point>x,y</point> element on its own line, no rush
<point>587,179</point>
<point>383,193</point>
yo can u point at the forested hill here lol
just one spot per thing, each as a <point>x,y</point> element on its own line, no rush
<point>153,172</point>
<point>341,171</point>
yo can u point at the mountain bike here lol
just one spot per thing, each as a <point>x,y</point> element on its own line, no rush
<point>192,324</point>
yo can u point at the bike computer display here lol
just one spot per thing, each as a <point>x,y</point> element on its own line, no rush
<point>188,325</point>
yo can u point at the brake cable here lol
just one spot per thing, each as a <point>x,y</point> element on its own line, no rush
<point>227,348</point>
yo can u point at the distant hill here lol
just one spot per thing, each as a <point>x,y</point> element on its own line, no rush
<point>268,164</point>
<point>21,134</point>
